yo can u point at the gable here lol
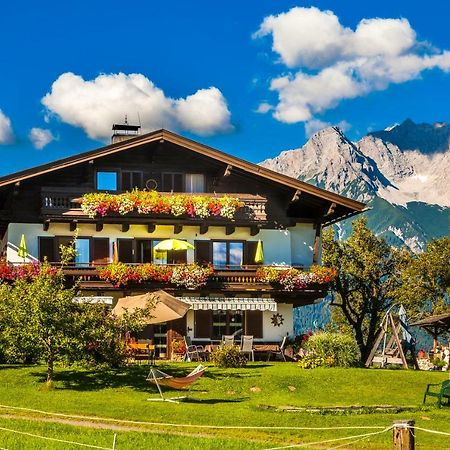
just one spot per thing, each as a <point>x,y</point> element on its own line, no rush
<point>233,173</point>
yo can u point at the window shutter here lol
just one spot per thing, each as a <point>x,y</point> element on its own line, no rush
<point>202,252</point>
<point>62,240</point>
<point>250,253</point>
<point>47,249</point>
<point>254,324</point>
<point>100,251</point>
<point>178,257</point>
<point>203,324</point>
<point>125,247</point>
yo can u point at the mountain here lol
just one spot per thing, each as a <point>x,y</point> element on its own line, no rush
<point>400,172</point>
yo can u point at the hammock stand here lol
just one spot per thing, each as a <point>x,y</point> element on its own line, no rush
<point>159,378</point>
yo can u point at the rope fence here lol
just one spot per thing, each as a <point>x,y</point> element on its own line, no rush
<point>63,441</point>
<point>353,439</point>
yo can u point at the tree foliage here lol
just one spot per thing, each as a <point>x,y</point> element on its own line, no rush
<point>367,274</point>
<point>424,286</point>
<point>39,320</point>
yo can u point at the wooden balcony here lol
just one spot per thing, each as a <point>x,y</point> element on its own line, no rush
<point>224,281</point>
<point>64,204</point>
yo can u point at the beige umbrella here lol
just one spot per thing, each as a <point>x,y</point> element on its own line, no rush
<point>166,307</point>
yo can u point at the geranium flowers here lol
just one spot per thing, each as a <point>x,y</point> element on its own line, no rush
<point>152,202</point>
<point>291,279</point>
<point>190,276</point>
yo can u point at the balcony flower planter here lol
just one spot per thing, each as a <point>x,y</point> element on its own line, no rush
<point>26,271</point>
<point>291,279</point>
<point>152,202</point>
<point>189,276</point>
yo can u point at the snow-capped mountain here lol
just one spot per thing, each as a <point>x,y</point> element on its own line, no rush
<point>401,172</point>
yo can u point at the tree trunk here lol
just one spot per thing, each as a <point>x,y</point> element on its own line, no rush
<point>50,361</point>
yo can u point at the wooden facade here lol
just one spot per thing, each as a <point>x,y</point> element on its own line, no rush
<point>43,203</point>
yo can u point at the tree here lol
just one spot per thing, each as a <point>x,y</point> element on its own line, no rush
<point>425,280</point>
<point>39,320</point>
<point>367,273</point>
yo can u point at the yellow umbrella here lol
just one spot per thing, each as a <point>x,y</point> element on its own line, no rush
<point>115,253</point>
<point>172,244</point>
<point>259,256</point>
<point>22,252</point>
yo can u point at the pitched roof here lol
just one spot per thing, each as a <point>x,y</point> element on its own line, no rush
<point>202,149</point>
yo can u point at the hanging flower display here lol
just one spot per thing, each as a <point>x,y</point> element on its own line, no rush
<point>291,279</point>
<point>27,271</point>
<point>153,202</point>
<point>190,276</point>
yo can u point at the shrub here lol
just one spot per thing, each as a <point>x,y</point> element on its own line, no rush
<point>228,356</point>
<point>331,350</point>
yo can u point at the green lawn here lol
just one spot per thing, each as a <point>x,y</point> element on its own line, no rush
<point>258,395</point>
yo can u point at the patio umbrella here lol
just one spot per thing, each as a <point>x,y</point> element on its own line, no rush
<point>115,258</point>
<point>172,244</point>
<point>22,252</point>
<point>166,306</point>
<point>259,256</point>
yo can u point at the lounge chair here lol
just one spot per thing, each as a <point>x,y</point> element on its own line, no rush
<point>193,352</point>
<point>247,346</point>
<point>159,378</point>
<point>227,340</point>
<point>279,352</point>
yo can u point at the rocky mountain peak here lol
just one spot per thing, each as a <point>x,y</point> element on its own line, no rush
<point>424,137</point>
<point>402,172</point>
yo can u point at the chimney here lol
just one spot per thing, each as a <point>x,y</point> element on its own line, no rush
<point>122,132</point>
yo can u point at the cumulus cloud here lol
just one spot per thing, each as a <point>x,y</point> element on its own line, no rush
<point>94,105</point>
<point>6,131</point>
<point>41,137</point>
<point>330,62</point>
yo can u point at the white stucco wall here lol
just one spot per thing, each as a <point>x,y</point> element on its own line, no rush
<point>277,246</point>
<point>302,244</point>
<point>270,332</point>
<point>292,246</point>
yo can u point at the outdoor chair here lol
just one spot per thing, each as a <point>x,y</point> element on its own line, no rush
<point>193,352</point>
<point>279,352</point>
<point>227,340</point>
<point>444,392</point>
<point>160,378</point>
<point>247,346</point>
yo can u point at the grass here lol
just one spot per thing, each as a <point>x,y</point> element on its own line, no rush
<point>261,394</point>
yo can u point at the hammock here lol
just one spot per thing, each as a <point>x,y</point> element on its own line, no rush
<point>159,378</point>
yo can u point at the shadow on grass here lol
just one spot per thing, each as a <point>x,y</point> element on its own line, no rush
<point>132,377</point>
<point>213,401</point>
<point>98,379</point>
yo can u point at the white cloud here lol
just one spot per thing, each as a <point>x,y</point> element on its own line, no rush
<point>41,137</point>
<point>94,105</point>
<point>315,125</point>
<point>264,107</point>
<point>6,131</point>
<point>331,62</point>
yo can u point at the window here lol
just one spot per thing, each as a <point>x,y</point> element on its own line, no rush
<point>131,180</point>
<point>107,181</point>
<point>215,324</point>
<point>228,254</point>
<point>82,247</point>
<point>195,182</point>
<point>172,182</point>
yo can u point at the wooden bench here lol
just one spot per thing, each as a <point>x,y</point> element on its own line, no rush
<point>444,392</point>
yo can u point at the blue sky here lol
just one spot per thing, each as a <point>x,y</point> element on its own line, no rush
<point>204,73</point>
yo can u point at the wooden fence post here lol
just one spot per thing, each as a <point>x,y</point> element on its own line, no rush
<point>403,434</point>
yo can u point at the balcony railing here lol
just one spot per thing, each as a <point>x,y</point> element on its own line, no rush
<point>65,202</point>
<point>223,280</point>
